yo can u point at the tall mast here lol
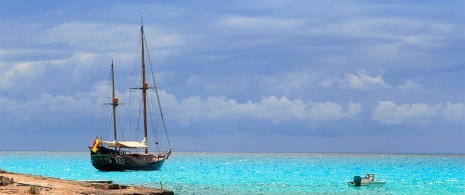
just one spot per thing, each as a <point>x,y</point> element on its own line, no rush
<point>145,86</point>
<point>114,103</point>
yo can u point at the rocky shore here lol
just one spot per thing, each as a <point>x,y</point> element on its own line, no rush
<point>15,183</point>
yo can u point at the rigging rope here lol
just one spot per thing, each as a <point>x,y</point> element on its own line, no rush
<point>139,116</point>
<point>156,91</point>
<point>105,122</point>
<point>133,111</point>
<point>152,122</point>
<point>120,127</point>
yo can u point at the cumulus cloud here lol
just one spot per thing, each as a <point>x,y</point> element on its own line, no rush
<point>409,85</point>
<point>30,71</point>
<point>293,81</point>
<point>10,74</point>
<point>388,112</point>
<point>362,81</point>
<point>240,51</point>
<point>186,110</point>
<point>327,82</point>
<point>454,112</point>
<point>358,81</point>
<point>48,104</point>
<point>332,111</point>
<point>271,108</point>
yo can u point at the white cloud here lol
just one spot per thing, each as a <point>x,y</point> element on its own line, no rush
<point>454,112</point>
<point>359,81</point>
<point>186,110</point>
<point>389,113</point>
<point>48,104</point>
<point>82,61</point>
<point>271,108</point>
<point>332,111</point>
<point>362,81</point>
<point>327,82</point>
<point>411,86</point>
<point>292,81</point>
<point>28,72</point>
<point>20,72</point>
<point>242,51</point>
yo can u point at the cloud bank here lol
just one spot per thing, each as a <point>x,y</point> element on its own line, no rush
<point>318,68</point>
<point>390,113</point>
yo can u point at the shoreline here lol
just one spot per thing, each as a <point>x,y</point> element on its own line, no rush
<point>22,183</point>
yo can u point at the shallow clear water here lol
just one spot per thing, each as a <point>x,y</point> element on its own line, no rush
<point>262,173</point>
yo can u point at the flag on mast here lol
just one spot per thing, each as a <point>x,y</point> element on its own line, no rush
<point>95,145</point>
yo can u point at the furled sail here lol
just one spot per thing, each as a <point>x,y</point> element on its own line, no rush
<point>126,144</point>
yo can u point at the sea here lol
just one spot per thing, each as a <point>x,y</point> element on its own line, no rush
<point>261,173</point>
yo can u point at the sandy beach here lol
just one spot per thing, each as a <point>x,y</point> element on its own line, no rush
<point>22,184</point>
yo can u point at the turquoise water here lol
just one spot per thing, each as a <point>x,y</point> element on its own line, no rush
<point>262,173</point>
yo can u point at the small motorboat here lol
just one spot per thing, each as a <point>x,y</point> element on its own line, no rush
<point>368,181</point>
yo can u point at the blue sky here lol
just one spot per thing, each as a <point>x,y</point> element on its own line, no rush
<point>255,76</point>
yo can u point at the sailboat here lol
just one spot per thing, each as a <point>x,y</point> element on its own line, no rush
<point>118,155</point>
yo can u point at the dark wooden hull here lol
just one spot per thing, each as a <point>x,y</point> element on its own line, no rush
<point>111,160</point>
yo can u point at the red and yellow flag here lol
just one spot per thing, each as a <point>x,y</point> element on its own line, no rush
<point>95,145</point>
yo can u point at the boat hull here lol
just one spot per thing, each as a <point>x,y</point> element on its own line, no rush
<point>369,184</point>
<point>376,184</point>
<point>111,160</point>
